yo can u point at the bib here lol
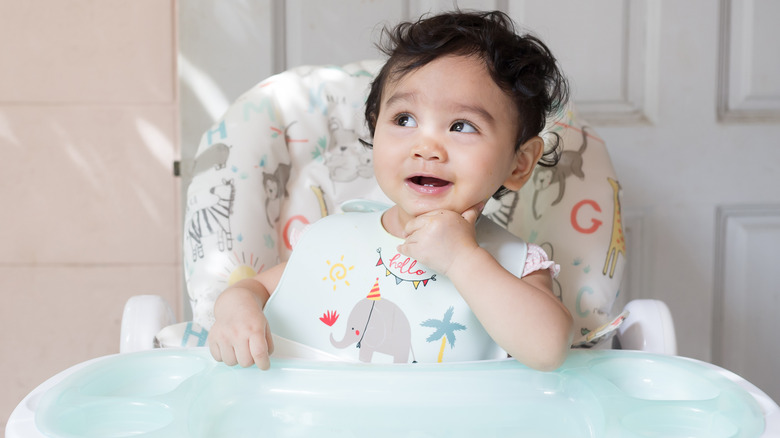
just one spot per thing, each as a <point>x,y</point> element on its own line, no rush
<point>347,291</point>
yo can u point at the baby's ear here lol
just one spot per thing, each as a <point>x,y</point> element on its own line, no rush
<point>526,157</point>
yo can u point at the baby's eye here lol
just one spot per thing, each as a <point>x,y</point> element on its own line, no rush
<point>462,126</point>
<point>406,120</point>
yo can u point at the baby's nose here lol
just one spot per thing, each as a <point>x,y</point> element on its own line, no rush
<point>429,148</point>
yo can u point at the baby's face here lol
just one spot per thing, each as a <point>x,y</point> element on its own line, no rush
<point>445,137</point>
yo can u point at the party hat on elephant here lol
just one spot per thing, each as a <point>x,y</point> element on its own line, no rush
<point>374,295</point>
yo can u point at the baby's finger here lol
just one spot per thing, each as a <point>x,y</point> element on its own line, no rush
<point>411,237</point>
<point>258,347</point>
<point>415,224</point>
<point>228,355</point>
<point>269,339</point>
<point>214,349</point>
<point>244,355</point>
<point>472,214</point>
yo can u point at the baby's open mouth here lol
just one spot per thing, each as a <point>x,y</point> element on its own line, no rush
<point>428,181</point>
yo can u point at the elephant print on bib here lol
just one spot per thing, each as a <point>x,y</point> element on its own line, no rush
<point>377,325</point>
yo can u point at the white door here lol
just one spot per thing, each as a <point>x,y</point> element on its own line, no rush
<point>685,94</point>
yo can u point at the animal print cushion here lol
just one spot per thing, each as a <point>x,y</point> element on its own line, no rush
<point>286,153</point>
<point>572,210</point>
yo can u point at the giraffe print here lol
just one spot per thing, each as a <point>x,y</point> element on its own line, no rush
<point>617,243</point>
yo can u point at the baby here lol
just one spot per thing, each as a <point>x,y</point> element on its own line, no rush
<point>455,117</point>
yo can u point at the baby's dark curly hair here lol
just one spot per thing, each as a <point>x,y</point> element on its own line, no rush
<point>521,65</point>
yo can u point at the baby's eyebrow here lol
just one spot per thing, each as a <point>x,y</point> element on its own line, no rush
<point>475,109</point>
<point>401,97</point>
<point>458,107</point>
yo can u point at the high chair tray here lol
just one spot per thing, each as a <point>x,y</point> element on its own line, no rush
<point>185,393</point>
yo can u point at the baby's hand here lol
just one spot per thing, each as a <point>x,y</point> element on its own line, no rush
<point>439,237</point>
<point>240,334</point>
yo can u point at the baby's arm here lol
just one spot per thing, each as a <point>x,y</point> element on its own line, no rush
<point>240,333</point>
<point>523,316</point>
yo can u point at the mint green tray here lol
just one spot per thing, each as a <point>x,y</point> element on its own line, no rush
<point>185,393</point>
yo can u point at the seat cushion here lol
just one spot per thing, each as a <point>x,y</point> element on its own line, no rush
<point>287,153</point>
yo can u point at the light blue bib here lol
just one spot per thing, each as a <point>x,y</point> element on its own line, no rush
<point>347,291</point>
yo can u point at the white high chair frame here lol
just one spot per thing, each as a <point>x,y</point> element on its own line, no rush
<point>648,328</point>
<point>324,104</point>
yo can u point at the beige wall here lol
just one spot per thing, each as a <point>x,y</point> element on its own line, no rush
<point>88,134</point>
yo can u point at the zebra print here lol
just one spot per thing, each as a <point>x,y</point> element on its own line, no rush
<point>213,219</point>
<point>503,216</point>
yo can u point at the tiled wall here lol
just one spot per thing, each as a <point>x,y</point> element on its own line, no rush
<point>88,134</point>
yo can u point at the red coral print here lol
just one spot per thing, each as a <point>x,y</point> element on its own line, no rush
<point>329,317</point>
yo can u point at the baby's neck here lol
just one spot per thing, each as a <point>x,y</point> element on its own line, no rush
<point>393,222</point>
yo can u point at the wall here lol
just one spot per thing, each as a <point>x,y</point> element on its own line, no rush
<point>88,134</point>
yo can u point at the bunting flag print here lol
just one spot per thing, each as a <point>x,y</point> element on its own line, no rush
<point>405,269</point>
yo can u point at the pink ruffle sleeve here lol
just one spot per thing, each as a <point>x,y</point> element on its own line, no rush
<point>537,259</point>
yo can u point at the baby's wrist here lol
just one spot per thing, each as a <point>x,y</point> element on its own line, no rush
<point>465,261</point>
<point>236,297</point>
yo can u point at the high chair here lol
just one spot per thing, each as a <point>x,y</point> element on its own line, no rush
<point>287,153</point>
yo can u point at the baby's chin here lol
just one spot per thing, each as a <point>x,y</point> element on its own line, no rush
<point>427,209</point>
